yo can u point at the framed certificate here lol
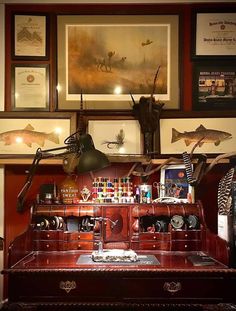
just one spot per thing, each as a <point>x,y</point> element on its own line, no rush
<point>30,36</point>
<point>30,87</point>
<point>214,35</point>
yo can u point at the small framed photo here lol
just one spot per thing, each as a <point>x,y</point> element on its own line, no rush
<point>174,183</point>
<point>119,136</point>
<point>30,87</point>
<point>30,36</point>
<point>214,34</point>
<point>214,86</point>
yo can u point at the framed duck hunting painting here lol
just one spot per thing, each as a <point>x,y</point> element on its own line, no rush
<point>22,133</point>
<point>210,135</point>
<point>109,58</point>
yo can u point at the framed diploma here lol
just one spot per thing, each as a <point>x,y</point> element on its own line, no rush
<point>214,35</point>
<point>30,36</point>
<point>30,87</point>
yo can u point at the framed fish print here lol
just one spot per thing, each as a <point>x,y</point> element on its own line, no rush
<point>30,87</point>
<point>210,135</point>
<point>97,57</point>
<point>30,36</point>
<point>21,134</point>
<point>214,86</point>
<point>116,136</point>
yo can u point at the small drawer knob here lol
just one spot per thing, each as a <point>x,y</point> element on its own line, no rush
<point>153,246</point>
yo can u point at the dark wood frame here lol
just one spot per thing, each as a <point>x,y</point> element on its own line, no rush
<point>221,102</point>
<point>109,118</point>
<point>123,105</point>
<point>47,36</point>
<point>13,87</point>
<point>194,33</point>
<point>193,115</point>
<point>39,115</point>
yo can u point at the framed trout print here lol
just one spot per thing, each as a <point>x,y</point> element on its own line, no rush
<point>21,134</point>
<point>98,59</point>
<point>209,135</point>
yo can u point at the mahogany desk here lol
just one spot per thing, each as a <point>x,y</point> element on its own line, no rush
<point>44,273</point>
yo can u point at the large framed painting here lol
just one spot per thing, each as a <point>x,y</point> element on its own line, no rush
<point>214,134</point>
<point>22,133</point>
<point>109,58</point>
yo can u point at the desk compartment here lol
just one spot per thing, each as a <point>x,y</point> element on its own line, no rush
<point>173,288</point>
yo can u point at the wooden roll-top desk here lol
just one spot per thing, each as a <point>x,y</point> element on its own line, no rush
<point>50,265</point>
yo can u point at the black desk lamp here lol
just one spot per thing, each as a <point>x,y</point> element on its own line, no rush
<point>89,159</point>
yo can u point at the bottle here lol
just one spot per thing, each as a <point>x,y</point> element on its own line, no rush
<point>148,197</point>
<point>137,195</point>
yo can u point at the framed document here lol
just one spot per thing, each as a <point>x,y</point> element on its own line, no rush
<point>214,35</point>
<point>30,36</point>
<point>30,87</point>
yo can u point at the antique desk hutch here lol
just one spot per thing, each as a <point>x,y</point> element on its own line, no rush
<point>181,265</point>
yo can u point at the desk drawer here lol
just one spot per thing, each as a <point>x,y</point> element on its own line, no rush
<point>173,289</point>
<point>61,287</point>
<point>185,245</point>
<point>163,246</point>
<point>157,236</point>
<point>186,234</point>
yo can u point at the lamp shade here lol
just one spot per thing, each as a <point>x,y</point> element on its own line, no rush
<point>90,159</point>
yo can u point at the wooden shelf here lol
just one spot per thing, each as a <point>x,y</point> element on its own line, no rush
<point>112,158</point>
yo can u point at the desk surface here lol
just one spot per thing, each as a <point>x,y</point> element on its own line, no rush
<point>69,260</point>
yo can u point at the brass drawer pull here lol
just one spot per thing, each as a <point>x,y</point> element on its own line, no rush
<point>67,286</point>
<point>172,287</point>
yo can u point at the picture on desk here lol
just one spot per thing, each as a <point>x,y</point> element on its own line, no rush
<point>174,183</point>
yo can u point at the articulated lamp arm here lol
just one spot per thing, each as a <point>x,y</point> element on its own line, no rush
<point>90,159</point>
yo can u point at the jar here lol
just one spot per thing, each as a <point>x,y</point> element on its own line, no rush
<point>145,193</point>
<point>68,189</point>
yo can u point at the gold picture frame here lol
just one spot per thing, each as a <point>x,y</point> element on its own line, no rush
<point>91,63</point>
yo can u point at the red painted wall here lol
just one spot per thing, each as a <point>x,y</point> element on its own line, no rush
<point>15,175</point>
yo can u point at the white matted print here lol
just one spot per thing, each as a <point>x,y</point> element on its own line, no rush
<point>116,136</point>
<point>20,135</point>
<point>215,135</point>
